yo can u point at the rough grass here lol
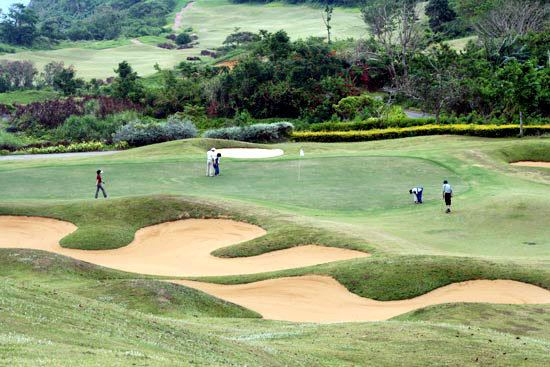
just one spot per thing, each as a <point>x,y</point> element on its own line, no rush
<point>27,96</point>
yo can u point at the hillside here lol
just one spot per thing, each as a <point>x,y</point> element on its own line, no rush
<point>103,19</point>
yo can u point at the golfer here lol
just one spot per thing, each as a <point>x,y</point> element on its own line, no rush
<point>447,195</point>
<point>417,194</point>
<point>217,164</point>
<point>100,184</point>
<point>210,161</point>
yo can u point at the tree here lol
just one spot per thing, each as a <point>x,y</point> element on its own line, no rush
<point>127,85</point>
<point>436,79</point>
<point>393,25</point>
<point>440,13</point>
<point>237,38</point>
<point>51,70</point>
<point>327,17</point>
<point>512,18</point>
<point>183,38</point>
<point>66,82</point>
<point>18,27</point>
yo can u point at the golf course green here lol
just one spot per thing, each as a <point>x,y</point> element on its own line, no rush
<point>348,196</point>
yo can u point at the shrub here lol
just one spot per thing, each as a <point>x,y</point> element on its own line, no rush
<point>365,105</point>
<point>183,38</point>
<point>137,133</point>
<point>492,131</point>
<point>92,128</point>
<point>258,133</point>
<point>166,45</point>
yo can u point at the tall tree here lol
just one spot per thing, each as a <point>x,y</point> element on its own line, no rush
<point>327,17</point>
<point>439,13</point>
<point>18,27</point>
<point>393,24</point>
<point>127,85</point>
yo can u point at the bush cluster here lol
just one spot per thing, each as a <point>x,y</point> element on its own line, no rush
<point>89,127</point>
<point>137,133</point>
<point>51,114</point>
<point>490,131</point>
<point>257,133</point>
<point>93,146</point>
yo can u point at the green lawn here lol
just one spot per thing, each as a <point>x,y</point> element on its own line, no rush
<point>27,96</point>
<point>352,195</point>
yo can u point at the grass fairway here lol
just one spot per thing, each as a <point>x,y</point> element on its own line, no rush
<point>351,195</point>
<point>212,20</point>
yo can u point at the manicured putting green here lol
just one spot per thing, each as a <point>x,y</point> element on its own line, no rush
<point>355,183</point>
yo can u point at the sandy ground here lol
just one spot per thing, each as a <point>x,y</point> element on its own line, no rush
<point>230,64</point>
<point>179,16</point>
<point>249,153</point>
<point>315,298</point>
<point>531,164</point>
<point>180,248</point>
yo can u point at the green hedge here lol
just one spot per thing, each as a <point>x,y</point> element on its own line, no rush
<point>379,123</point>
<point>492,131</point>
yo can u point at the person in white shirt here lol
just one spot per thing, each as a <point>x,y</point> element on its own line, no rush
<point>417,194</point>
<point>447,195</point>
<point>210,161</point>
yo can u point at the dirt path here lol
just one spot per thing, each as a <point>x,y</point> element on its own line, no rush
<point>179,16</point>
<point>180,248</point>
<point>316,298</point>
<point>136,42</point>
<point>53,155</point>
<point>531,164</point>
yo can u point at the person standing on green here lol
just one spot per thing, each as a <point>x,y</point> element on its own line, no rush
<point>447,195</point>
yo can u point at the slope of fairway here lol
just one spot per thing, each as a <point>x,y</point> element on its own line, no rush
<point>213,20</point>
<point>100,64</point>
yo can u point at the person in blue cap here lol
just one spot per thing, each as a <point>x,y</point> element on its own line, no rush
<point>417,194</point>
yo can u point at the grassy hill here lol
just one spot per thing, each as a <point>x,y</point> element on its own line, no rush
<point>349,195</point>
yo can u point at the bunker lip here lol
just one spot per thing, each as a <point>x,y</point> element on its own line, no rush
<point>315,298</point>
<point>179,248</point>
<point>249,152</point>
<point>531,164</point>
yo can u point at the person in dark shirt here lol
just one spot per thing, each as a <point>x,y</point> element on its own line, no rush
<point>217,164</point>
<point>100,184</point>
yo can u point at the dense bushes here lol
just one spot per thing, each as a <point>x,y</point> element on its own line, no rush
<point>91,127</point>
<point>492,131</point>
<point>92,146</point>
<point>137,133</point>
<point>258,133</point>
<point>50,114</point>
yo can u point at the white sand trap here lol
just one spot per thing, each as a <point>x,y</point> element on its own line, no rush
<point>180,248</point>
<point>322,299</point>
<point>531,164</point>
<point>249,153</point>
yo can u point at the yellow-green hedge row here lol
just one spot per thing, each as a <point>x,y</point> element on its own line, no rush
<point>492,131</point>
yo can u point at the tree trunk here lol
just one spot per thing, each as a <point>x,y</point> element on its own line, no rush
<point>520,123</point>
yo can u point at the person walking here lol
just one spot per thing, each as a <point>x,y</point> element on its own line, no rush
<point>447,195</point>
<point>210,161</point>
<point>99,185</point>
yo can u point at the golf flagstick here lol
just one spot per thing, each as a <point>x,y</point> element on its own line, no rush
<point>300,165</point>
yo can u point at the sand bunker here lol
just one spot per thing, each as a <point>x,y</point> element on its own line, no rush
<point>250,153</point>
<point>322,299</point>
<point>531,164</point>
<point>180,248</point>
